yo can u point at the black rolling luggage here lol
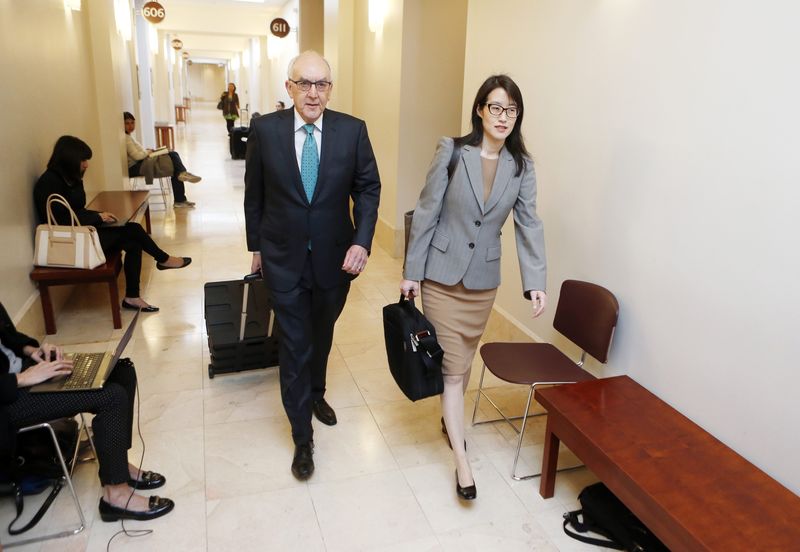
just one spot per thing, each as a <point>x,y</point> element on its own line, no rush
<point>238,140</point>
<point>242,333</point>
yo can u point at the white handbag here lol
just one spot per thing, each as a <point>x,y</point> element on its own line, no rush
<point>72,246</point>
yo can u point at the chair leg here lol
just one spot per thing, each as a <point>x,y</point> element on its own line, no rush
<point>68,480</point>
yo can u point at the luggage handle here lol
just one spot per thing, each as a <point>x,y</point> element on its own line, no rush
<point>252,277</point>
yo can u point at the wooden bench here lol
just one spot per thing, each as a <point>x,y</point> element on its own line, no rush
<point>690,489</point>
<point>47,277</point>
<point>127,206</point>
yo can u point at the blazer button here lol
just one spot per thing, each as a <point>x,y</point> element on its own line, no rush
<point>477,223</point>
<point>472,245</point>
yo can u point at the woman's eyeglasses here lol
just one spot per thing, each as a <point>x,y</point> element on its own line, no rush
<point>512,111</point>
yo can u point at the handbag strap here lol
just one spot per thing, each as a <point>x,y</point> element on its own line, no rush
<point>58,198</point>
<point>425,341</point>
<point>57,486</point>
<point>571,518</point>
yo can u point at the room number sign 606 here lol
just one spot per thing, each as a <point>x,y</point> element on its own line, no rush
<point>153,12</point>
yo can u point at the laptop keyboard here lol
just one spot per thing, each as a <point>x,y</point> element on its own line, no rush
<point>84,369</point>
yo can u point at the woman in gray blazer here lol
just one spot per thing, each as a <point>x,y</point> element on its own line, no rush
<point>454,245</point>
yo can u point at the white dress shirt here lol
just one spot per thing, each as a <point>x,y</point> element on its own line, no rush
<point>300,136</point>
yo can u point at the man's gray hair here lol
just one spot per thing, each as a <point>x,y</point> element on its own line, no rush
<point>290,70</point>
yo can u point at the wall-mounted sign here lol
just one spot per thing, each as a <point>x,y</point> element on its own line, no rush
<point>153,12</point>
<point>185,55</point>
<point>177,43</point>
<point>279,27</point>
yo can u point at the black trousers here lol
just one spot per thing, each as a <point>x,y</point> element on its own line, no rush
<point>307,315</point>
<point>112,424</point>
<point>132,239</point>
<point>178,187</point>
<point>229,123</point>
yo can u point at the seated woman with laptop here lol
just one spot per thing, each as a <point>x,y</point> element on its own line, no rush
<point>23,364</point>
<point>64,176</point>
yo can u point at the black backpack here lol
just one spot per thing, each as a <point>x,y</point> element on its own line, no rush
<point>605,514</point>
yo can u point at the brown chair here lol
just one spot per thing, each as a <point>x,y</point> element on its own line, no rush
<point>586,315</point>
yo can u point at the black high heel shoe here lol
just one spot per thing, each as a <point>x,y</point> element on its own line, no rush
<point>467,493</point>
<point>444,431</point>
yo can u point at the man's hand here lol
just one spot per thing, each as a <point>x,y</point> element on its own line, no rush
<point>255,264</point>
<point>356,260</point>
<point>409,288</point>
<point>44,371</point>
<point>539,301</point>
<point>47,352</point>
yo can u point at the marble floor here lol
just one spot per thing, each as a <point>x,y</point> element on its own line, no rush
<point>384,474</point>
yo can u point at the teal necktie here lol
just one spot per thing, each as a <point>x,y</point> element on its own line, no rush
<point>309,162</point>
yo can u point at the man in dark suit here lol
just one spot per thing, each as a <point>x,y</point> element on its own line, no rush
<point>304,165</point>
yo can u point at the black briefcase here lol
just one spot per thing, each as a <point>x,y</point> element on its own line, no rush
<point>415,358</point>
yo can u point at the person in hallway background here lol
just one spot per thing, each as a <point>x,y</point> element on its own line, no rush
<point>454,245</point>
<point>137,155</point>
<point>229,104</point>
<point>23,363</point>
<point>279,105</point>
<point>64,176</point>
<point>297,219</point>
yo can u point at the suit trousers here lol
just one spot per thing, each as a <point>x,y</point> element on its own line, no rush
<point>112,424</point>
<point>307,315</point>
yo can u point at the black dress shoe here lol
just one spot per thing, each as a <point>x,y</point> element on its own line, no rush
<point>467,493</point>
<point>324,413</point>
<point>303,463</point>
<point>149,480</point>
<point>149,308</point>
<point>158,507</point>
<point>447,438</point>
<point>186,262</point>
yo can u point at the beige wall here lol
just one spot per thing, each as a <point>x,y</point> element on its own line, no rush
<point>339,51</point>
<point>56,84</point>
<point>276,68</point>
<point>665,141</point>
<point>206,81</point>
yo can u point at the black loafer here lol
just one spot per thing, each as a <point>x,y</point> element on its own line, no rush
<point>303,463</point>
<point>128,306</point>
<point>149,480</point>
<point>186,262</point>
<point>158,507</point>
<point>467,493</point>
<point>323,412</point>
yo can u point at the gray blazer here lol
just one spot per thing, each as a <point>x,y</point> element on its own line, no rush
<point>455,237</point>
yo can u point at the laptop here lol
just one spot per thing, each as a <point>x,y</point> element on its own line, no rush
<point>89,370</point>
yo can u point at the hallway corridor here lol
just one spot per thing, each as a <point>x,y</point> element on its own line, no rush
<point>384,474</point>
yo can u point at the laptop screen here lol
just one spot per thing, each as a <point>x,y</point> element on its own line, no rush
<point>126,337</point>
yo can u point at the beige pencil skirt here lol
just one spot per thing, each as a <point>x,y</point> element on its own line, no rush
<point>459,316</point>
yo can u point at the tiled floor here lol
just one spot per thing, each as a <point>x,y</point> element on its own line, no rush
<point>384,477</point>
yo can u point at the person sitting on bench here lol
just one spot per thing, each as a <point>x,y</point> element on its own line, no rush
<point>64,176</point>
<point>23,363</point>
<point>137,155</point>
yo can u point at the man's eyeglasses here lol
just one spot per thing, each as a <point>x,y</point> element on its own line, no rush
<point>305,86</point>
<point>496,109</point>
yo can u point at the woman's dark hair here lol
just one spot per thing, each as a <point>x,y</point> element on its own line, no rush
<point>68,154</point>
<point>514,143</point>
<point>128,116</point>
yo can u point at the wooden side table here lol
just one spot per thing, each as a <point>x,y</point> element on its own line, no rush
<point>165,135</point>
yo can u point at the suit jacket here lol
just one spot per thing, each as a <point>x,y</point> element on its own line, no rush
<point>280,221</point>
<point>455,237</point>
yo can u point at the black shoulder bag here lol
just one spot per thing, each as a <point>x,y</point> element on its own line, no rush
<point>36,467</point>
<point>605,514</point>
<point>415,358</point>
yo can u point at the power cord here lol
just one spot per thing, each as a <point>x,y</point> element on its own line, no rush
<point>133,533</point>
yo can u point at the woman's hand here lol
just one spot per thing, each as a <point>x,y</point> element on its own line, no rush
<point>409,288</point>
<point>47,352</point>
<point>539,301</point>
<point>108,217</point>
<point>44,371</point>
